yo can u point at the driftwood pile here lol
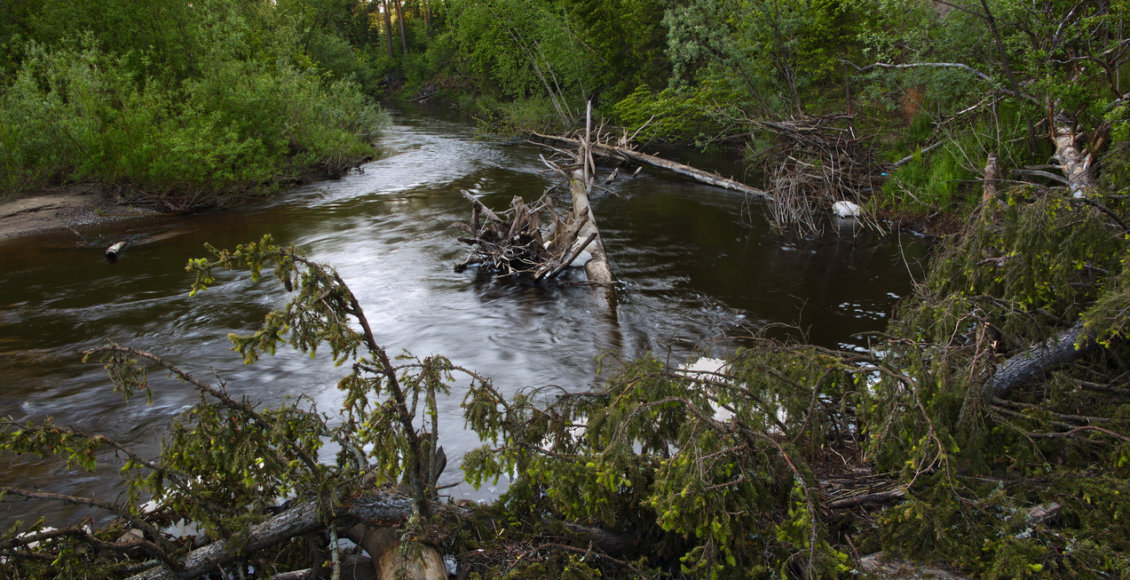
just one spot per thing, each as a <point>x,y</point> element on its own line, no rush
<point>527,241</point>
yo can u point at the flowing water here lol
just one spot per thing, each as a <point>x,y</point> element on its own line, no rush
<point>698,268</point>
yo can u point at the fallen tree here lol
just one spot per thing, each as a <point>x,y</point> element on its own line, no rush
<point>597,266</point>
<point>1039,360</point>
<point>372,509</point>
<point>623,153</point>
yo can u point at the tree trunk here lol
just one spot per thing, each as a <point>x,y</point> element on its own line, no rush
<point>294,522</point>
<point>388,27</point>
<point>597,268</point>
<point>1076,164</point>
<point>625,154</point>
<point>1040,359</point>
<point>375,508</point>
<point>400,24</point>
<point>992,179</point>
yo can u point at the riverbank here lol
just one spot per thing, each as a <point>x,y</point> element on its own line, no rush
<point>61,208</point>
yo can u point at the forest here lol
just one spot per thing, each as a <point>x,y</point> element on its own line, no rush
<point>988,435</point>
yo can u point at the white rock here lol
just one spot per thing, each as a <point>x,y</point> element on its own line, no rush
<point>846,209</point>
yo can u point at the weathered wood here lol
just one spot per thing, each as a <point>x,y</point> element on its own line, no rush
<point>577,249</point>
<point>1075,164</point>
<point>867,499</point>
<point>115,250</point>
<point>374,508</point>
<point>478,205</point>
<point>625,154</point>
<point>294,522</point>
<point>1039,360</point>
<point>992,178</point>
<point>597,268</point>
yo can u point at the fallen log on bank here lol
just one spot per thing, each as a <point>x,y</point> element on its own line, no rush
<point>624,154</point>
<point>374,508</point>
<point>1039,360</point>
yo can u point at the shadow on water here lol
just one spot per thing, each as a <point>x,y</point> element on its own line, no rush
<point>697,268</point>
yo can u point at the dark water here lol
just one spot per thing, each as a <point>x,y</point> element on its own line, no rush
<point>698,266</point>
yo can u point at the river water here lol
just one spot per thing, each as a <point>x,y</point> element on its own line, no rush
<point>698,268</point>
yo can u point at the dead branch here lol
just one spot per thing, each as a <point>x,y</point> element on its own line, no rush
<point>375,508</point>
<point>514,242</point>
<point>618,153</point>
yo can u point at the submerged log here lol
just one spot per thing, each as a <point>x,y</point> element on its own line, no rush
<point>115,250</point>
<point>625,154</point>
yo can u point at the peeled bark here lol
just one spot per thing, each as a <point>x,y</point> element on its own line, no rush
<point>625,154</point>
<point>294,522</point>
<point>1076,164</point>
<point>597,268</point>
<point>1039,360</point>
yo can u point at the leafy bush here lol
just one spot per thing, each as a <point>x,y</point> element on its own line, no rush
<point>242,127</point>
<point>698,114</point>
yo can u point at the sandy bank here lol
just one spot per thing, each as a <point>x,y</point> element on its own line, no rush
<point>71,207</point>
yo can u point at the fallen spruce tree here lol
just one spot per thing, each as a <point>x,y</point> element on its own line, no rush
<point>784,460</point>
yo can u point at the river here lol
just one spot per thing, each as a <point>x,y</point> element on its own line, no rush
<point>698,268</point>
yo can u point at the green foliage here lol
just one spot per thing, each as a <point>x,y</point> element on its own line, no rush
<point>699,114</point>
<point>625,38</point>
<point>224,461</point>
<point>978,468</point>
<point>931,182</point>
<point>516,116</point>
<point>186,120</point>
<point>523,48</point>
<point>240,128</point>
<point>721,495</point>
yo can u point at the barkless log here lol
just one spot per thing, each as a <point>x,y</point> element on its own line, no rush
<point>625,154</point>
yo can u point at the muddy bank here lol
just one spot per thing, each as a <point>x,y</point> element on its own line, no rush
<point>73,207</point>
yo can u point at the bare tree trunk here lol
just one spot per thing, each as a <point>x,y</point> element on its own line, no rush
<point>400,23</point>
<point>992,178</point>
<point>623,153</point>
<point>1039,360</point>
<point>388,27</point>
<point>597,268</point>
